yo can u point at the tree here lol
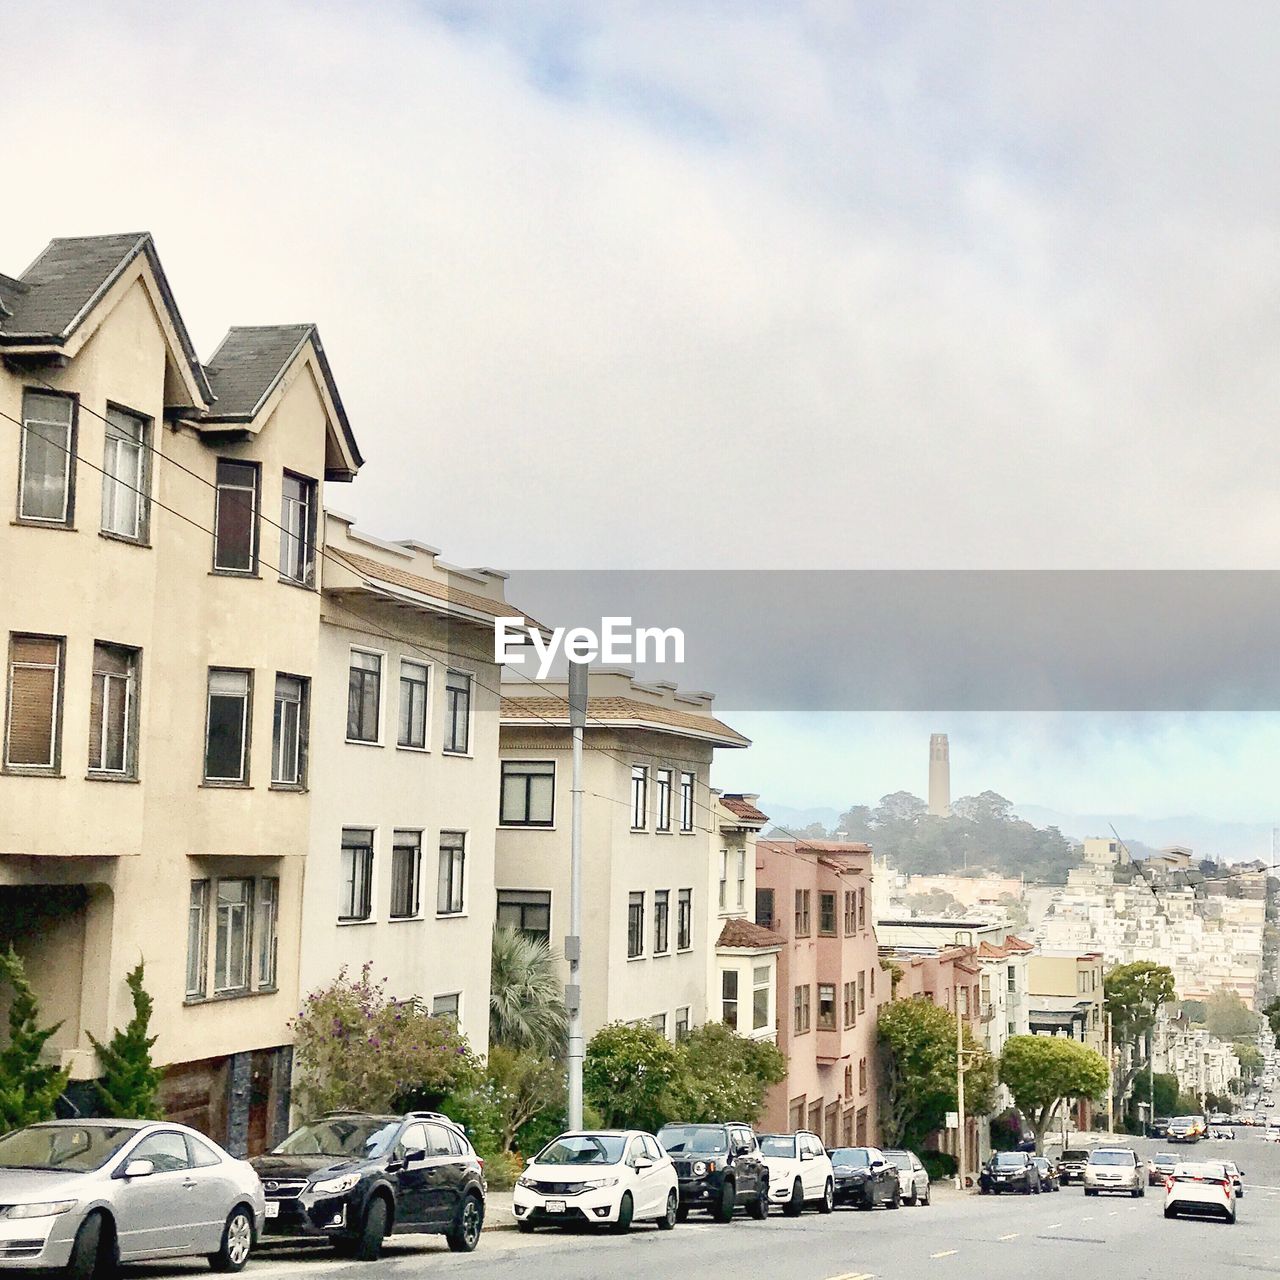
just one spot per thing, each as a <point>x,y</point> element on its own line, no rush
<point>899,806</point>
<point>1044,1072</point>
<point>1272,1013</point>
<point>526,998</point>
<point>524,1086</point>
<point>1134,994</point>
<point>627,1076</point>
<point>989,806</point>
<point>1227,1016</point>
<point>723,1076</point>
<point>917,1043</point>
<point>1166,1093</point>
<point>1250,1058</point>
<point>29,1087</point>
<point>127,1089</point>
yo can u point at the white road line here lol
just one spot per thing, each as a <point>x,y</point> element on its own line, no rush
<point>946,1253</point>
<point>1115,1213</point>
<point>1053,1226</point>
<point>1013,1235</point>
<point>1088,1217</point>
<point>854,1275</point>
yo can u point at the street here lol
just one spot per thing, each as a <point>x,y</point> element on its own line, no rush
<point>1061,1236</point>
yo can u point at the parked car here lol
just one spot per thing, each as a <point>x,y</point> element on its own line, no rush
<point>1160,1127</point>
<point>1071,1165</point>
<point>719,1167</point>
<point>85,1195</point>
<point>800,1171</point>
<point>1200,1188</point>
<point>354,1179</point>
<point>1236,1175</point>
<point>610,1177</point>
<point>1114,1169</point>
<point>1185,1129</point>
<point>1049,1180</point>
<point>1271,1133</point>
<point>1220,1133</point>
<point>1160,1167</point>
<point>1009,1171</point>
<point>913,1177</point>
<point>865,1178</point>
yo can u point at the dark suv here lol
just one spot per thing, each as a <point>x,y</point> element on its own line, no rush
<point>356,1178</point>
<point>1009,1171</point>
<point>1071,1165</point>
<point>719,1167</point>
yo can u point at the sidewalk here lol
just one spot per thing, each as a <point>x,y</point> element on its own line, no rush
<point>498,1213</point>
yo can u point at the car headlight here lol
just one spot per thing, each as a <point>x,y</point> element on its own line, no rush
<point>40,1209</point>
<point>699,1168</point>
<point>336,1186</point>
<point>524,1180</point>
<point>598,1184</point>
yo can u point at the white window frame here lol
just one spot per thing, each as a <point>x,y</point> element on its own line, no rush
<point>246,721</point>
<point>130,681</point>
<point>266,910</point>
<point>198,932</point>
<point>640,797</point>
<point>724,880</point>
<point>759,984</point>
<point>297,545</point>
<point>406,838</point>
<point>458,887</point>
<point>527,823</point>
<point>425,668</point>
<point>688,801</point>
<point>255,529</point>
<point>55,710</point>
<point>300,731</point>
<point>67,518</point>
<point>742,880</point>
<point>663,782</point>
<point>456,997</point>
<point>132,491</point>
<point>450,718</point>
<point>247,959</point>
<point>370,892</point>
<point>726,999</point>
<point>379,717</point>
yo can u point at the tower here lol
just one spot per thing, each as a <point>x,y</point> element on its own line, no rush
<point>939,776</point>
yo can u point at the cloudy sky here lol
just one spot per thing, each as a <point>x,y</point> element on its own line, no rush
<point>624,285</point>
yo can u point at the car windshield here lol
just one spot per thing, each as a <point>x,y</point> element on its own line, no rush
<point>1164,1157</point>
<point>1195,1172</point>
<point>854,1157</point>
<point>777,1144</point>
<point>584,1148</point>
<point>691,1139</point>
<point>355,1137</point>
<point>1111,1157</point>
<point>1074,1154</point>
<point>1040,1162</point>
<point>67,1148</point>
<point>897,1157</point>
<point>1010,1159</point>
<point>1185,1120</point>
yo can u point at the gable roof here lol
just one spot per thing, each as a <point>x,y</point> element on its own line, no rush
<point>59,290</point>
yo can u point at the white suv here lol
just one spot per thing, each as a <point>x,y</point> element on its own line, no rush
<point>800,1171</point>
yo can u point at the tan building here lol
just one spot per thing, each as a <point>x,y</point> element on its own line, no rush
<point>650,833</point>
<point>160,620</point>
<point>1066,997</point>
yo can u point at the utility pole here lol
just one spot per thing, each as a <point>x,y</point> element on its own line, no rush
<point>959,1094</point>
<point>1151,1080</point>
<point>1111,1081</point>
<point>573,943</point>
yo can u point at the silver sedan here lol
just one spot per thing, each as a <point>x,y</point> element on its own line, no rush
<point>86,1194</point>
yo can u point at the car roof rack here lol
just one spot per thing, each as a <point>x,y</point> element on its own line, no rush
<point>431,1115</point>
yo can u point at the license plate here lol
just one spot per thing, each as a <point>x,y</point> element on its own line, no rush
<point>555,1206</point>
<point>273,1209</point>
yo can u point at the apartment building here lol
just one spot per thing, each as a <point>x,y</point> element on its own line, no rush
<point>1066,997</point>
<point>652,837</point>
<point>816,896</point>
<point>403,762</point>
<point>159,611</point>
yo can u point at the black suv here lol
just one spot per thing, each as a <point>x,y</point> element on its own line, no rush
<point>719,1167</point>
<point>356,1178</point>
<point>1009,1171</point>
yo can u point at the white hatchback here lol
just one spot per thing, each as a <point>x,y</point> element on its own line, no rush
<point>611,1177</point>
<point>1201,1188</point>
<point>800,1171</point>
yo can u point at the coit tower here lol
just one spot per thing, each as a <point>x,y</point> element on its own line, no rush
<point>939,776</point>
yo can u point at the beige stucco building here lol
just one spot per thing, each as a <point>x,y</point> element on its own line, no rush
<point>160,623</point>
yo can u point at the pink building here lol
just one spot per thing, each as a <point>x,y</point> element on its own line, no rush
<point>816,894</point>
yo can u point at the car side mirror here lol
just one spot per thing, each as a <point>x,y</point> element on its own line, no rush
<point>806,1155</point>
<point>743,1149</point>
<point>879,1164</point>
<point>415,1155</point>
<point>137,1169</point>
<point>641,1163</point>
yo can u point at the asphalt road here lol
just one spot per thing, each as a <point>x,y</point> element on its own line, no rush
<point>1060,1236</point>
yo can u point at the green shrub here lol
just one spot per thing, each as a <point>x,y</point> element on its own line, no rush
<point>938,1164</point>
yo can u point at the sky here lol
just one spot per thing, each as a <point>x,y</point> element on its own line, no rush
<point>732,285</point>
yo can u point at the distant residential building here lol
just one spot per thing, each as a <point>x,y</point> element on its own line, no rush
<point>1066,997</point>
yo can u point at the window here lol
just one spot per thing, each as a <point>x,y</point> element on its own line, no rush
<point>232,936</point>
<point>639,797</point>
<point>873,977</point>
<point>197,930</point>
<point>729,998</point>
<point>724,878</point>
<point>742,878</point>
<point>356,901</point>
<point>661,914</point>
<point>686,801</point>
<point>659,1023</point>
<point>862,1075</point>
<point>850,912</point>
<point>298,529</point>
<point>457,712</point>
<point>528,793</point>
<point>268,921</point>
<point>635,925</point>
<point>826,1006</point>
<point>125,502</point>
<point>802,913</point>
<point>800,1014</point>
<point>289,732</point>
<point>451,881</point>
<point>848,1082</point>
<point>414,685</point>
<point>862,908</point>
<point>760,984</point>
<point>684,920</point>
<point>447,1006</point>
<point>364,696</point>
<point>235,522</point>
<point>850,992</point>
<point>764,907</point>
<point>862,992</point>
<point>35,701</point>
<point>46,478</point>
<point>662,784</point>
<point>406,867</point>
<point>113,710</point>
<point>528,910</point>
<point>682,1022</point>
<point>1012,980</point>
<point>167,1152</point>
<point>827,914</point>
<point>226,748</point>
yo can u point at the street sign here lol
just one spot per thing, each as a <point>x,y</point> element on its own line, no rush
<point>953,1120</point>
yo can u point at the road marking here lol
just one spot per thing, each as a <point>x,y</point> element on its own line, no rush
<point>854,1275</point>
<point>1053,1226</point>
<point>946,1253</point>
<point>1013,1235</point>
<point>1088,1217</point>
<point>1115,1213</point>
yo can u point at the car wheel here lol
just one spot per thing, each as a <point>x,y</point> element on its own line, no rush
<point>895,1200</point>
<point>911,1199</point>
<point>1231,1219</point>
<point>626,1209</point>
<point>759,1207</point>
<point>668,1220</point>
<point>376,1218</point>
<point>828,1201</point>
<point>464,1235</point>
<point>927,1198</point>
<point>723,1212</point>
<point>237,1241</point>
<point>795,1204</point>
<point>86,1260</point>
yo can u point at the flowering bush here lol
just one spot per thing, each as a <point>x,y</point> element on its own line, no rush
<point>355,1047</point>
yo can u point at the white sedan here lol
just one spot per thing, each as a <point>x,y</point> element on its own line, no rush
<point>1201,1188</point>
<point>800,1172</point>
<point>611,1177</point>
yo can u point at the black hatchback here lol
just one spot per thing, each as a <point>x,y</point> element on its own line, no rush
<point>719,1167</point>
<point>355,1179</point>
